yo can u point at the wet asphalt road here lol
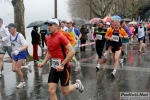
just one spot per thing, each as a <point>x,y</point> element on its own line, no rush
<point>133,77</point>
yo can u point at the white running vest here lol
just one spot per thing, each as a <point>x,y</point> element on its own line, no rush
<point>2,35</point>
<point>15,44</point>
<point>141,32</point>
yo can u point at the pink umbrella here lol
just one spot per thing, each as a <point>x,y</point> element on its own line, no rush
<point>95,20</point>
<point>107,19</point>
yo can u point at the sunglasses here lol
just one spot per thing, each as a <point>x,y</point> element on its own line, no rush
<point>68,23</point>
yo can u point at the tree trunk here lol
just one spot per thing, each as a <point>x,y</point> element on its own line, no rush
<point>18,6</point>
<point>19,9</point>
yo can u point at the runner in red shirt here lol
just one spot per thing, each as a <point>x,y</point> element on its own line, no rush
<point>61,52</point>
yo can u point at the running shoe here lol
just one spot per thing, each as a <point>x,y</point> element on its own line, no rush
<point>21,85</point>
<point>139,52</point>
<point>81,87</point>
<point>105,55</point>
<point>76,69</point>
<point>113,74</point>
<point>29,68</point>
<point>79,67</point>
<point>98,66</point>
<point>125,59</point>
<point>24,62</point>
<point>121,63</point>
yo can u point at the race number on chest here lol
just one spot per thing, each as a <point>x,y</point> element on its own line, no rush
<point>115,38</point>
<point>99,37</point>
<point>55,62</point>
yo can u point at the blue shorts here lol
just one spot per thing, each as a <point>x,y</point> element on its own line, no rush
<point>21,55</point>
<point>142,38</point>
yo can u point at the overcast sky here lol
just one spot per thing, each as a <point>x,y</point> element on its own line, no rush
<point>42,9</point>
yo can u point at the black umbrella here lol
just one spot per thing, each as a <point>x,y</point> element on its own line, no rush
<point>36,23</point>
<point>43,27</point>
<point>127,19</point>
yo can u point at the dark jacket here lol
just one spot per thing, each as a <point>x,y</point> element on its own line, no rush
<point>84,32</point>
<point>43,34</point>
<point>35,37</point>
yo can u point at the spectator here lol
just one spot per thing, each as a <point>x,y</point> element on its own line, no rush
<point>63,27</point>
<point>43,33</point>
<point>35,42</point>
<point>84,37</point>
<point>74,24</point>
<point>132,31</point>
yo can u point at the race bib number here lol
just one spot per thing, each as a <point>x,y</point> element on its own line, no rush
<point>13,44</point>
<point>140,31</point>
<point>115,38</point>
<point>55,62</point>
<point>99,37</point>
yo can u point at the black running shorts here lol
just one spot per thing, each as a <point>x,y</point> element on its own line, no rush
<point>64,76</point>
<point>114,49</point>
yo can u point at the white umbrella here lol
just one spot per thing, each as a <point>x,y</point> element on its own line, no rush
<point>134,23</point>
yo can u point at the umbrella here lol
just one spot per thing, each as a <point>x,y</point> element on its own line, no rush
<point>36,23</point>
<point>107,19</point>
<point>127,19</point>
<point>43,27</point>
<point>133,22</point>
<point>116,17</point>
<point>95,20</point>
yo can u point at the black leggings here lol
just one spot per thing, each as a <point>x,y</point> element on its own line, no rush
<point>83,42</point>
<point>99,48</point>
<point>144,40</point>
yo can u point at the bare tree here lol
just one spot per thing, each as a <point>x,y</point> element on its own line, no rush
<point>18,6</point>
<point>81,8</point>
<point>101,8</point>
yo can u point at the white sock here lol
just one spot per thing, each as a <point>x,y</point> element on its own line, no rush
<point>114,71</point>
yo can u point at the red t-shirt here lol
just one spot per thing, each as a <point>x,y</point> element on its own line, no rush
<point>56,46</point>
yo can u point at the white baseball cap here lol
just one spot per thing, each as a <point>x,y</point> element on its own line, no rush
<point>52,21</point>
<point>69,21</point>
<point>107,23</point>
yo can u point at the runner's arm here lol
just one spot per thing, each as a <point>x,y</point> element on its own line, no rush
<point>78,33</point>
<point>23,42</point>
<point>108,34</point>
<point>80,36</point>
<point>7,33</point>
<point>47,57</point>
<point>70,54</point>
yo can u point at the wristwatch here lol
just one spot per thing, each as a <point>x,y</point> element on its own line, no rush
<point>63,65</point>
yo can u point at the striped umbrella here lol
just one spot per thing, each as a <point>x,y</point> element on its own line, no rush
<point>95,20</point>
<point>116,17</point>
<point>107,19</point>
